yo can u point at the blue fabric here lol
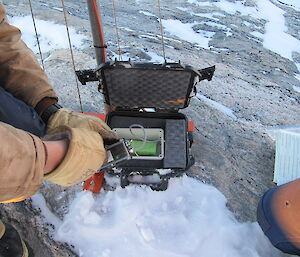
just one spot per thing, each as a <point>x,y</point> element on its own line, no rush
<point>270,226</point>
<point>20,115</point>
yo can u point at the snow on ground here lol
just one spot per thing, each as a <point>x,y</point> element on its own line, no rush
<point>297,76</point>
<point>230,7</point>
<point>189,219</point>
<point>39,202</point>
<point>51,35</point>
<point>185,31</point>
<point>147,13</point>
<point>227,111</point>
<point>156,58</point>
<point>297,89</point>
<point>184,9</point>
<point>275,37</point>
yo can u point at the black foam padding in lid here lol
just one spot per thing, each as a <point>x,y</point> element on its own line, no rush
<point>157,88</point>
<point>175,144</point>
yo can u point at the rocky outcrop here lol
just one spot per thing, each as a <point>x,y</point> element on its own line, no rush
<point>27,221</point>
<point>235,152</point>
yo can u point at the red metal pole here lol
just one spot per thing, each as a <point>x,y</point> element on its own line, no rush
<point>97,31</point>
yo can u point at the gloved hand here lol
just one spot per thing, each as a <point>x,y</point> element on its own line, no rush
<point>65,117</point>
<point>85,154</point>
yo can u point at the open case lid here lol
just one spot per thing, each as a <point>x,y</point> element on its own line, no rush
<point>165,86</point>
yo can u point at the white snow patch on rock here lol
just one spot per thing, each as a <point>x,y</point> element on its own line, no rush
<point>230,7</point>
<point>227,111</point>
<point>157,58</point>
<point>275,37</point>
<point>188,219</point>
<point>147,13</point>
<point>38,202</point>
<point>184,9</point>
<point>51,35</point>
<point>199,3</point>
<point>58,9</point>
<point>297,89</point>
<point>217,25</point>
<point>185,32</point>
<point>297,76</point>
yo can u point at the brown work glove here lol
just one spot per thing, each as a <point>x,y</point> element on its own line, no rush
<point>65,117</point>
<point>86,154</point>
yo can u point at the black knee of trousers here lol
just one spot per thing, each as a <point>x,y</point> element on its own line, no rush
<point>20,115</point>
<point>11,243</point>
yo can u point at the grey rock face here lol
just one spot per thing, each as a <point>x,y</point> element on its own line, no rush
<point>27,221</point>
<point>234,154</point>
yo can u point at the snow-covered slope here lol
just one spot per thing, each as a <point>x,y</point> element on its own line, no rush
<point>51,35</point>
<point>274,37</point>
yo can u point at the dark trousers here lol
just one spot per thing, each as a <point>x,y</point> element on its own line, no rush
<point>270,226</point>
<point>20,115</point>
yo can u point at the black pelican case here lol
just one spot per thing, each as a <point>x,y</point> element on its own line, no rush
<point>151,95</point>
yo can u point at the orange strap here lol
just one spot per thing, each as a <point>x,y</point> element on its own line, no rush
<point>101,116</point>
<point>191,126</point>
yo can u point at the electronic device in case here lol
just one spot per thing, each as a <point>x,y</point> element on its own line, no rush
<point>131,90</point>
<point>117,153</point>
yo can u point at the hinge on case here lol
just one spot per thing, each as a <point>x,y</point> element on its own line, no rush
<point>85,76</point>
<point>100,86</point>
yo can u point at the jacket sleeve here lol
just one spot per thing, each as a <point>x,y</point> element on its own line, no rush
<point>22,158</point>
<point>20,72</point>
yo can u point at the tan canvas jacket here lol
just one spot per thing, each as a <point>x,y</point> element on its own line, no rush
<point>22,155</point>
<point>20,72</point>
<point>22,159</point>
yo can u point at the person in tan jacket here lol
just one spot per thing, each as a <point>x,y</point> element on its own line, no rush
<point>70,152</point>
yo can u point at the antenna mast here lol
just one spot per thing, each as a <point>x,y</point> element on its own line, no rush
<point>97,31</point>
